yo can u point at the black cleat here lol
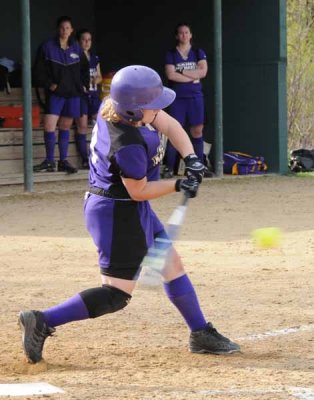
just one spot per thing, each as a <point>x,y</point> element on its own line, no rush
<point>48,166</point>
<point>65,166</point>
<point>34,333</point>
<point>209,340</point>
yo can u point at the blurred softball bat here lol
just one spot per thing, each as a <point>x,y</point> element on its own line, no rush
<point>158,255</point>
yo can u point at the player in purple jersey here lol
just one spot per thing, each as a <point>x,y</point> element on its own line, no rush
<point>90,101</point>
<point>62,69</point>
<point>185,67</point>
<point>124,168</point>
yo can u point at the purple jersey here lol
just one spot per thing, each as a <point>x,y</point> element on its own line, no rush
<point>68,68</point>
<point>90,103</point>
<point>123,150</point>
<point>188,89</point>
<point>93,62</point>
<point>122,229</point>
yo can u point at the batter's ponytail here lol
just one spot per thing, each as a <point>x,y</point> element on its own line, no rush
<point>108,112</point>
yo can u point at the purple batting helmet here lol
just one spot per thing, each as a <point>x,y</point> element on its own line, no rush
<point>137,87</point>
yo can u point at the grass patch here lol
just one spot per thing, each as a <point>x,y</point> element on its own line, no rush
<point>303,174</point>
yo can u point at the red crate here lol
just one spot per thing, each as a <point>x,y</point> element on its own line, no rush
<point>13,116</point>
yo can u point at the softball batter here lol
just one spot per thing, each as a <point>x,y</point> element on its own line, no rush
<point>124,171</point>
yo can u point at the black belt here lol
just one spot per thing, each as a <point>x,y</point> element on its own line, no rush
<point>109,193</point>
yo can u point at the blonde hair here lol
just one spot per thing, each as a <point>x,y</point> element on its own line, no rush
<point>108,112</point>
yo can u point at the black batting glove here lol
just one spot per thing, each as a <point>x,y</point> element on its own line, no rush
<point>194,167</point>
<point>189,186</point>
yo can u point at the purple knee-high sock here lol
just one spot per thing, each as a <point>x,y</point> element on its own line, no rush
<point>198,145</point>
<point>50,141</point>
<point>63,144</point>
<point>171,156</point>
<point>181,293</point>
<point>81,144</point>
<point>73,309</point>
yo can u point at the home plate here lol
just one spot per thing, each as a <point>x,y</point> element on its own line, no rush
<point>28,389</point>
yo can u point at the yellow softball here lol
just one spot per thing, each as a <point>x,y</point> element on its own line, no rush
<point>267,238</point>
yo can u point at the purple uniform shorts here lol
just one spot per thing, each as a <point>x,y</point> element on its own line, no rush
<point>65,107</point>
<point>90,104</point>
<point>188,110</point>
<point>122,231</point>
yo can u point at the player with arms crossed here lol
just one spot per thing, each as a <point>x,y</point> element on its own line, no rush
<point>185,67</point>
<point>124,172</point>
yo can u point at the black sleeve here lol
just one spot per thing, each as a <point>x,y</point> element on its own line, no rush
<point>85,78</point>
<point>41,75</point>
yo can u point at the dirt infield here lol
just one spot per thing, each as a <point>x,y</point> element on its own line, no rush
<point>141,352</point>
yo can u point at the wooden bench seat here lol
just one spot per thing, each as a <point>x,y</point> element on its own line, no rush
<point>11,140</point>
<point>11,149</point>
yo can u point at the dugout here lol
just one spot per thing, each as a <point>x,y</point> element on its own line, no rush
<point>253,39</point>
<point>245,40</point>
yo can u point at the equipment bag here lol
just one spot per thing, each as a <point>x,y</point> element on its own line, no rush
<point>237,163</point>
<point>301,160</point>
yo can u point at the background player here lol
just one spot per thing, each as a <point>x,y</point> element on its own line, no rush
<point>62,69</point>
<point>124,169</point>
<point>90,101</point>
<point>185,67</point>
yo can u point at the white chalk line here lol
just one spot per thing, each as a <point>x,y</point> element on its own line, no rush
<point>28,389</point>
<point>277,332</point>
